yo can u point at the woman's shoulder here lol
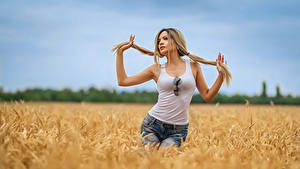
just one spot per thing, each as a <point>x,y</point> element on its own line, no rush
<point>155,70</point>
<point>195,67</point>
<point>194,64</point>
<point>154,67</point>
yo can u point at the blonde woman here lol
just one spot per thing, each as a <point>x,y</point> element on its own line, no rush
<point>167,122</point>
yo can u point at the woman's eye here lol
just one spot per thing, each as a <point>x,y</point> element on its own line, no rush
<point>165,38</point>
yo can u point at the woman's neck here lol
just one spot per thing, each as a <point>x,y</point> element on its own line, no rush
<point>174,60</point>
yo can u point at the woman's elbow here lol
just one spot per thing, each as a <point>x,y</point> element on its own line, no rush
<point>208,100</point>
<point>120,83</point>
<point>123,83</point>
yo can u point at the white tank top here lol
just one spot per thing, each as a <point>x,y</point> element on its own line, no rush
<point>170,108</point>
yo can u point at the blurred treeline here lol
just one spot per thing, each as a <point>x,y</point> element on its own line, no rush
<point>93,94</point>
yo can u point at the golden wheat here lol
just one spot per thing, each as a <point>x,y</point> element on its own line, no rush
<point>86,135</point>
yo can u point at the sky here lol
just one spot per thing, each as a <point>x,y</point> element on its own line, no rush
<point>67,44</point>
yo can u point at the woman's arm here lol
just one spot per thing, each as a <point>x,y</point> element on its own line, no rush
<point>123,79</point>
<point>208,94</point>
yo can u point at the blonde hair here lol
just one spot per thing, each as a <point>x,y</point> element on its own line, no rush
<point>176,38</point>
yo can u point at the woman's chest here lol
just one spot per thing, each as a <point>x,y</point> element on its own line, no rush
<point>185,82</point>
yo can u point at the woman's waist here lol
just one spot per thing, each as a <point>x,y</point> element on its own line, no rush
<point>170,116</point>
<point>167,124</point>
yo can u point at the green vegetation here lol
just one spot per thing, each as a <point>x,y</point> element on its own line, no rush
<point>264,89</point>
<point>104,95</point>
<point>278,93</point>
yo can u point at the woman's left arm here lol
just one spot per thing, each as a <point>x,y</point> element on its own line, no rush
<point>208,94</point>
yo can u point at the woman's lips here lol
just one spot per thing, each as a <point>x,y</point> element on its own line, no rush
<point>162,47</point>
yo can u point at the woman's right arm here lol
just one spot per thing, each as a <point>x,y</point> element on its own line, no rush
<point>123,79</point>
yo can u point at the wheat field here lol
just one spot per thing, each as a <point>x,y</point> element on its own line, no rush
<point>87,135</point>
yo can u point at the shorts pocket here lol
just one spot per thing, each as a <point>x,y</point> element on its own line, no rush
<point>149,120</point>
<point>182,132</point>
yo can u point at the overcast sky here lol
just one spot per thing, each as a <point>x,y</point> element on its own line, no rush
<point>58,44</point>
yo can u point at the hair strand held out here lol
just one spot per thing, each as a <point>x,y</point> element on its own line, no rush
<point>176,37</point>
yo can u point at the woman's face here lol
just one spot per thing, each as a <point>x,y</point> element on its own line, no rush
<point>163,43</point>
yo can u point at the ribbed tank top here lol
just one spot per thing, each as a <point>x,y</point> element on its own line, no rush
<point>170,108</point>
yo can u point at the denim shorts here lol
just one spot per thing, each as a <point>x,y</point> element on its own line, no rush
<point>156,132</point>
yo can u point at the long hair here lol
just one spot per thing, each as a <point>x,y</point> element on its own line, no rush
<point>176,38</point>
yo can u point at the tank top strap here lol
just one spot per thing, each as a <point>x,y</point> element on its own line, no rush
<point>188,66</point>
<point>163,67</point>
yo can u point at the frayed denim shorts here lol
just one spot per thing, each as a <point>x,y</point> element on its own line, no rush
<point>156,132</point>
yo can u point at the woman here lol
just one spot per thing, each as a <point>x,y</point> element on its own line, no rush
<point>167,122</point>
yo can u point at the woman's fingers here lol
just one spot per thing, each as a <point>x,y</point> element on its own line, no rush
<point>218,65</point>
<point>132,38</point>
<point>220,60</point>
<point>131,41</point>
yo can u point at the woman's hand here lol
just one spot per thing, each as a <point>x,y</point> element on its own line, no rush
<point>131,41</point>
<point>219,61</point>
